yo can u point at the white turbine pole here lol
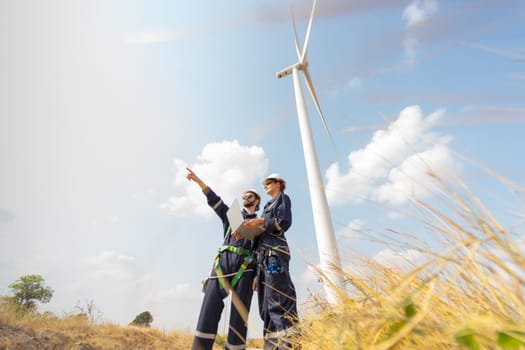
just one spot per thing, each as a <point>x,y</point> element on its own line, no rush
<point>330,262</point>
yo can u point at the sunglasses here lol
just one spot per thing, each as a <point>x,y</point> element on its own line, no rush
<point>248,196</point>
<point>269,182</point>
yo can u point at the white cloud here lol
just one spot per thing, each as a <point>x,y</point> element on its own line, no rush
<point>403,260</point>
<point>411,179</point>
<point>418,11</point>
<point>414,14</point>
<point>227,167</point>
<point>393,166</point>
<point>352,228</point>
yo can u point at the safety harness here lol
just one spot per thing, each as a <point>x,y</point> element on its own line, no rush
<point>248,259</point>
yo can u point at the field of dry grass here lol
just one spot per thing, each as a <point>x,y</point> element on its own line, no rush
<point>468,295</point>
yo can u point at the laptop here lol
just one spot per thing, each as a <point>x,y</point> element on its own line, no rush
<point>237,222</point>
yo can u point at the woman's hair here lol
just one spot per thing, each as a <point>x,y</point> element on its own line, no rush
<point>282,185</point>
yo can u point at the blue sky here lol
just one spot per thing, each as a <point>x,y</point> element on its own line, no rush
<point>104,103</point>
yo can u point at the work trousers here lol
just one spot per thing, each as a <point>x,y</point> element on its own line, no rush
<point>211,309</point>
<point>277,301</point>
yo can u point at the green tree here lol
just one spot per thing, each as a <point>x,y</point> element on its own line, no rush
<point>143,319</point>
<point>29,289</point>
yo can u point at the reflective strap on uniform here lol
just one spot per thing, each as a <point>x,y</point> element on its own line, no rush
<point>217,204</point>
<point>276,335</point>
<point>205,335</point>
<point>290,333</point>
<point>235,347</point>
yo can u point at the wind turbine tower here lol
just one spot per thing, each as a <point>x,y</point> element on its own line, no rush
<point>330,262</point>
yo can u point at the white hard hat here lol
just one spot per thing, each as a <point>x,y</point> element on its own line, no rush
<point>273,176</point>
<point>251,190</point>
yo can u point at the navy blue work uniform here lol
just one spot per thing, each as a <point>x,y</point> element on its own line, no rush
<point>228,263</point>
<point>276,292</point>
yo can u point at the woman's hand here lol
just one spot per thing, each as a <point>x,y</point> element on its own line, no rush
<point>236,235</point>
<point>253,223</point>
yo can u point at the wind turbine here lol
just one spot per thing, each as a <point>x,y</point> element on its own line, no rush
<point>330,262</point>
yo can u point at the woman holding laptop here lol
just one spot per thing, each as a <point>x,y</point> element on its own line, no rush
<point>276,292</point>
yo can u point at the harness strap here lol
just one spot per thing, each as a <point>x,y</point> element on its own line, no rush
<point>248,259</point>
<point>222,281</point>
<point>220,275</point>
<point>234,249</point>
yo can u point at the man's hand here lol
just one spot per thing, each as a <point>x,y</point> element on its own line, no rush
<point>193,177</point>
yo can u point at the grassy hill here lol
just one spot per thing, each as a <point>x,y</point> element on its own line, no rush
<point>76,333</point>
<point>26,331</point>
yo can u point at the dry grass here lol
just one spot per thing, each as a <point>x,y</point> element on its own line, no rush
<point>19,330</point>
<point>467,296</point>
<point>50,332</point>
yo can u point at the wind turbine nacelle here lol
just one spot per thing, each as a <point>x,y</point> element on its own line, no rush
<point>287,71</point>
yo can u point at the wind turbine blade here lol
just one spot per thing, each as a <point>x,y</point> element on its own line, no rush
<point>310,87</point>
<point>307,38</point>
<point>297,47</point>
